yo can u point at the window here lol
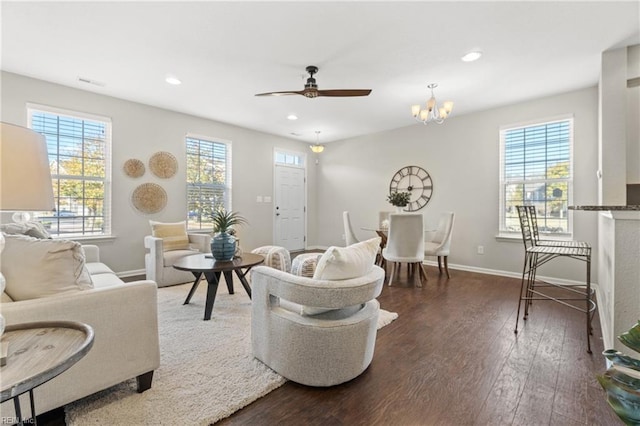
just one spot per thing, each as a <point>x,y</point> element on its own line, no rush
<point>208,180</point>
<point>78,146</point>
<point>536,168</point>
<point>289,158</point>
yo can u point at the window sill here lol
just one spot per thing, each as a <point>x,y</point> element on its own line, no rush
<point>510,238</point>
<point>86,238</point>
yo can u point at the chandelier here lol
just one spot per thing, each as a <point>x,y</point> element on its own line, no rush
<point>432,112</point>
<point>317,148</point>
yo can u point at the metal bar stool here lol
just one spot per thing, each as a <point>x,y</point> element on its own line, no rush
<point>537,253</point>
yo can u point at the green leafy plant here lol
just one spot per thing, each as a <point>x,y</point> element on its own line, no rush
<point>399,199</point>
<point>224,221</point>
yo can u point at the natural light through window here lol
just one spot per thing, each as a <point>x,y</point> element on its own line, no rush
<point>78,147</point>
<point>536,168</point>
<point>208,180</point>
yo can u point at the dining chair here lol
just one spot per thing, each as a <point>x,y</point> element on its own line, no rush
<point>439,243</point>
<point>405,243</point>
<point>382,216</point>
<point>349,235</point>
<point>537,253</point>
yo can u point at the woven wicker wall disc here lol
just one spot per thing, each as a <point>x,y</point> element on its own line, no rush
<point>149,198</point>
<point>134,168</point>
<point>163,164</point>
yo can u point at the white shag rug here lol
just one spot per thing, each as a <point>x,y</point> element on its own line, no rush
<point>206,373</point>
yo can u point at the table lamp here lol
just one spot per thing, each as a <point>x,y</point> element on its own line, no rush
<point>25,177</point>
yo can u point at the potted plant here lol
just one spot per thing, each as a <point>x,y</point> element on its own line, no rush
<point>223,243</point>
<point>399,199</point>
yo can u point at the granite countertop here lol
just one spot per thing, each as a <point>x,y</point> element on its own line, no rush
<point>606,208</point>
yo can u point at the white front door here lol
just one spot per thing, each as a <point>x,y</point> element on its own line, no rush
<point>289,207</point>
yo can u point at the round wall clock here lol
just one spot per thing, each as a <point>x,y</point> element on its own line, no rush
<point>416,181</point>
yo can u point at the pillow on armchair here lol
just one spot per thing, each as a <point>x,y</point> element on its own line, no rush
<point>174,235</point>
<point>343,263</point>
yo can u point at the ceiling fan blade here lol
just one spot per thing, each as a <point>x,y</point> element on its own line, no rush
<point>344,92</point>
<point>285,93</point>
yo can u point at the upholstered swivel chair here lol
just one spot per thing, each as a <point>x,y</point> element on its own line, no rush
<point>439,241</point>
<point>405,243</point>
<point>349,235</point>
<point>322,349</point>
<point>159,262</point>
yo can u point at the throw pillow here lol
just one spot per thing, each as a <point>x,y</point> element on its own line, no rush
<point>36,268</point>
<point>343,263</point>
<point>174,235</point>
<point>32,229</point>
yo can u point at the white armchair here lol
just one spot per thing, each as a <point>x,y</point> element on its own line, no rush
<point>325,349</point>
<point>159,263</point>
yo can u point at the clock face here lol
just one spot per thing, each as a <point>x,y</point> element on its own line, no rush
<point>416,181</point>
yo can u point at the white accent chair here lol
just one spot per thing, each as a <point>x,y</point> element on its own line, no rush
<point>439,241</point>
<point>349,235</point>
<point>159,263</point>
<point>405,243</point>
<point>315,350</point>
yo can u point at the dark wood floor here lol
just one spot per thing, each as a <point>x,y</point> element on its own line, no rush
<point>451,358</point>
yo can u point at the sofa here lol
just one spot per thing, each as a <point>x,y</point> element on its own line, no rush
<point>125,322</point>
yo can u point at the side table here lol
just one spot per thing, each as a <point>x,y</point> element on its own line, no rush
<point>38,352</point>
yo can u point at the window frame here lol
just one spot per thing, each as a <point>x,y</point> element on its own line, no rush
<point>503,232</point>
<point>106,181</point>
<point>227,187</point>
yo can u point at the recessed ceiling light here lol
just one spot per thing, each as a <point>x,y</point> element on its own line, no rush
<point>292,117</point>
<point>472,56</point>
<point>172,80</point>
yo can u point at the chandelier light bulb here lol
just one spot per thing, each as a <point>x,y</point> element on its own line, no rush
<point>432,112</point>
<point>317,148</point>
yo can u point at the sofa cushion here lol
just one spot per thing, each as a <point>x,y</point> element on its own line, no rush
<point>37,268</point>
<point>174,235</point>
<point>105,280</point>
<point>343,263</point>
<point>96,268</point>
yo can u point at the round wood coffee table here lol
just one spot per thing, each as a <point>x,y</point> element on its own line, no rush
<point>199,265</point>
<point>38,352</point>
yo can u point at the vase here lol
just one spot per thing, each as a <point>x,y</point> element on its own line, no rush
<point>223,246</point>
<point>400,209</point>
<point>622,380</point>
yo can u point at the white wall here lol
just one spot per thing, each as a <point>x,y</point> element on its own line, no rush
<point>354,175</point>
<point>462,157</point>
<point>138,132</point>
<point>613,128</point>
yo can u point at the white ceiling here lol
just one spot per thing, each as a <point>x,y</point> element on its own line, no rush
<point>225,52</point>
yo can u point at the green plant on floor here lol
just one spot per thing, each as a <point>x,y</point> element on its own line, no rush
<point>622,380</point>
<point>399,199</point>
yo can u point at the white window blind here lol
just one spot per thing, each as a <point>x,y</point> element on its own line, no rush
<point>208,180</point>
<point>79,149</point>
<point>537,169</point>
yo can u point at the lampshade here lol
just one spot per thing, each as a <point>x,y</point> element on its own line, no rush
<point>25,177</point>
<point>317,148</point>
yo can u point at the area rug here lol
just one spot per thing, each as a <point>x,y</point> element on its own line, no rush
<point>206,368</point>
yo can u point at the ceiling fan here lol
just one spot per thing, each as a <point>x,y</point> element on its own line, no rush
<point>311,89</point>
